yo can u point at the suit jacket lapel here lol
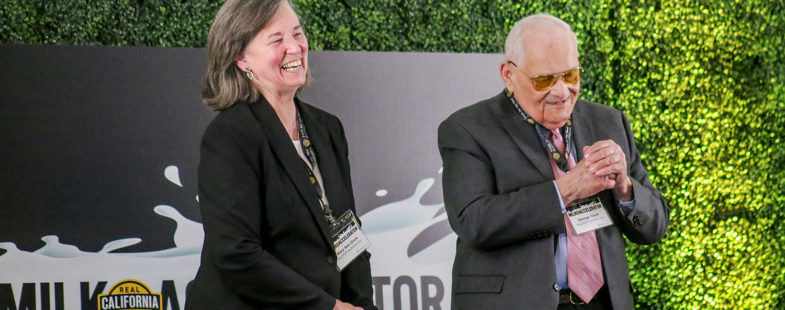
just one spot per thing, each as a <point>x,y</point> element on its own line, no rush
<point>325,156</point>
<point>293,164</point>
<point>523,134</point>
<point>583,131</point>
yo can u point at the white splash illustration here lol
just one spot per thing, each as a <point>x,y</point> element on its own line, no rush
<point>119,244</point>
<point>172,173</point>
<point>390,228</point>
<point>393,228</point>
<point>188,233</point>
<point>401,214</point>
<point>67,264</point>
<point>53,248</point>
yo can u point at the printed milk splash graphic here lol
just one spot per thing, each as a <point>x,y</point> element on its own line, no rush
<point>425,225</point>
<point>407,238</point>
<point>412,248</point>
<point>56,262</point>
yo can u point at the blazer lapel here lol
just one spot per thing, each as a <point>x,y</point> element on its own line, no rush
<point>583,131</point>
<point>293,164</point>
<point>325,156</point>
<point>523,134</point>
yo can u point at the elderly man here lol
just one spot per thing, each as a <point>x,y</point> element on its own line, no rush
<point>540,186</point>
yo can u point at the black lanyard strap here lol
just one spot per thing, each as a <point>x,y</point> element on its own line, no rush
<point>558,157</point>
<point>305,141</point>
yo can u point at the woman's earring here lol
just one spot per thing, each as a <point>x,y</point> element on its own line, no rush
<point>249,73</point>
<point>508,92</point>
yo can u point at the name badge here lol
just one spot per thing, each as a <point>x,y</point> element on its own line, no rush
<point>348,240</point>
<point>588,215</point>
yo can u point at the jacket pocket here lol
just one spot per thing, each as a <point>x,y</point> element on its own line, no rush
<point>470,284</point>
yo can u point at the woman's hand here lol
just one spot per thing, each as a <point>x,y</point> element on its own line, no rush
<point>340,305</point>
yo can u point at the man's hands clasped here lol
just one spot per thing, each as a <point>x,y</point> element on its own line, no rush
<point>603,167</point>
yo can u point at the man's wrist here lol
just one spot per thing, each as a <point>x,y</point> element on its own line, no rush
<point>566,192</point>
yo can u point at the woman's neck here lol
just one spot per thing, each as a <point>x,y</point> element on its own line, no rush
<point>284,107</point>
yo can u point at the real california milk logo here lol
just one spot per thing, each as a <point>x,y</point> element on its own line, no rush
<point>129,295</point>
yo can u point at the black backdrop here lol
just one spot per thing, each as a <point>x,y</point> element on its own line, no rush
<point>86,134</point>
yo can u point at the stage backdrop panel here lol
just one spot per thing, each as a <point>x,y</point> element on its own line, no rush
<point>98,157</point>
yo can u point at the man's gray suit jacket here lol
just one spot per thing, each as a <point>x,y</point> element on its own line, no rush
<point>502,203</point>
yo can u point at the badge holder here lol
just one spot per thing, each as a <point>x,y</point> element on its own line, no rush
<point>349,241</point>
<point>588,215</point>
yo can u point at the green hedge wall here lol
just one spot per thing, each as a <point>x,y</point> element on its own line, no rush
<point>702,82</point>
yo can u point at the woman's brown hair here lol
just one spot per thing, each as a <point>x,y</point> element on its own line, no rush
<point>235,25</point>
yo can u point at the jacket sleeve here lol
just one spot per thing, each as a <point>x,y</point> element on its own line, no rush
<point>230,183</point>
<point>648,220</point>
<point>477,211</point>
<point>356,286</point>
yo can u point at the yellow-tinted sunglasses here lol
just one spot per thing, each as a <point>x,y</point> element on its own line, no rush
<point>546,81</point>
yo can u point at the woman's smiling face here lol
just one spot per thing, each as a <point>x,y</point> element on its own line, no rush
<point>278,54</point>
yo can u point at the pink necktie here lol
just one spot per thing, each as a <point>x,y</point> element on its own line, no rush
<point>584,265</point>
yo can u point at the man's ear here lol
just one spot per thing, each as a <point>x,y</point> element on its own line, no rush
<point>505,71</point>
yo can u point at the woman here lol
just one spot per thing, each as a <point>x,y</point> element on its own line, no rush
<point>268,238</point>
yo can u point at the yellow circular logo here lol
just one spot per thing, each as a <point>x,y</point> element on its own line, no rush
<point>129,295</point>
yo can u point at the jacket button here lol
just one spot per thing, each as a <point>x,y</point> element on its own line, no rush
<point>331,260</point>
<point>556,287</point>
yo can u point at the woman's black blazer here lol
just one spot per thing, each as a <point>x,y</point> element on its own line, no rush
<point>267,243</point>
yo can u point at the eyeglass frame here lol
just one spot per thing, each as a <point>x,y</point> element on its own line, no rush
<point>558,76</point>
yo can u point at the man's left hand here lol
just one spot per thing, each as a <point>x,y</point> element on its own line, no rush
<point>605,158</point>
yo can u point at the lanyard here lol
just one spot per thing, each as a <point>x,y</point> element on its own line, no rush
<point>309,153</point>
<point>561,161</point>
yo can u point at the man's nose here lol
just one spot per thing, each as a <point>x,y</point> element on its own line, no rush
<point>560,89</point>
